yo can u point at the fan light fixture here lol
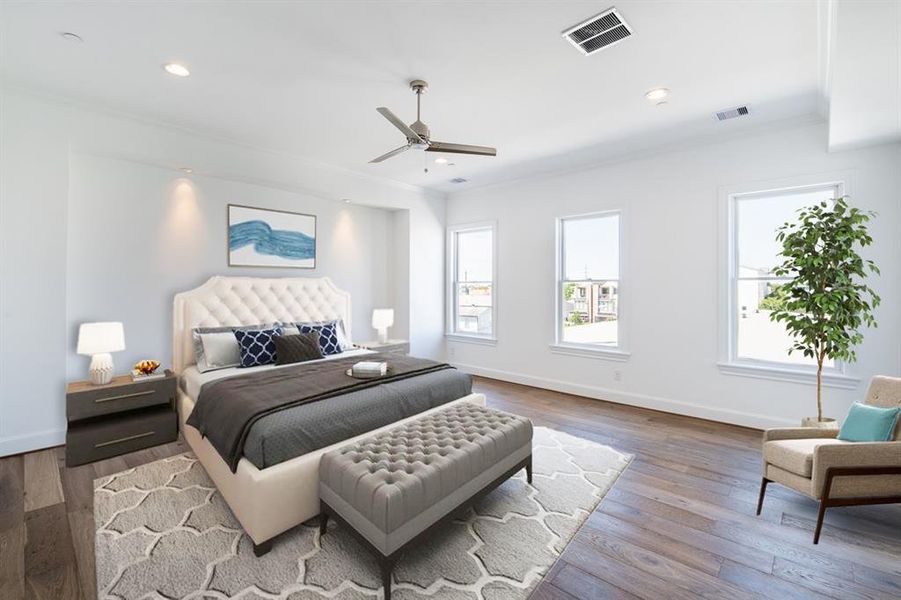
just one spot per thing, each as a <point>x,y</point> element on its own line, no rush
<point>418,135</point>
<point>658,95</point>
<point>176,69</point>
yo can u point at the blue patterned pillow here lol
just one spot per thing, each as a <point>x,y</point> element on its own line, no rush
<point>328,336</point>
<point>257,346</point>
<point>343,343</point>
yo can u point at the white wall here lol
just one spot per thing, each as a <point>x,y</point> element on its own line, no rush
<point>34,160</point>
<point>97,222</point>
<point>672,246</point>
<point>139,234</point>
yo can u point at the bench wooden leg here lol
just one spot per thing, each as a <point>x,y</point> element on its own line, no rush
<point>387,566</point>
<point>261,549</point>
<point>763,483</point>
<point>323,522</point>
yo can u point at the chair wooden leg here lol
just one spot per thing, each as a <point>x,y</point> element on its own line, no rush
<point>820,515</point>
<point>323,523</point>
<point>763,483</point>
<point>529,470</point>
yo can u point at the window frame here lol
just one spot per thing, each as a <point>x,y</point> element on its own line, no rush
<point>451,284</point>
<point>613,352</point>
<point>730,363</point>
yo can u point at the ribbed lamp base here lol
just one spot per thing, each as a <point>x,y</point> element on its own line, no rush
<point>101,369</point>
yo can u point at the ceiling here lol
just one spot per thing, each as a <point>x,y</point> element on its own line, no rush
<point>305,77</point>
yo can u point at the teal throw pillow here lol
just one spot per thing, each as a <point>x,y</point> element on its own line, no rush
<point>866,423</point>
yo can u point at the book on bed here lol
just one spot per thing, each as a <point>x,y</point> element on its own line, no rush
<point>369,368</point>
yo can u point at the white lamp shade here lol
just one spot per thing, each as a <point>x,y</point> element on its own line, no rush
<point>382,318</point>
<point>100,338</point>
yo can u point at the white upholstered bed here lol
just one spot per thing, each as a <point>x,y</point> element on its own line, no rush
<point>271,500</point>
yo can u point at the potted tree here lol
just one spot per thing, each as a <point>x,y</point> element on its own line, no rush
<point>825,304</point>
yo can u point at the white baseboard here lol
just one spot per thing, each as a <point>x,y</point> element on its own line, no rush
<point>746,419</point>
<point>32,441</point>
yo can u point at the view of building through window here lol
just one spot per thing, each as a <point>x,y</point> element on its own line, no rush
<point>589,289</point>
<point>473,281</point>
<point>756,290</point>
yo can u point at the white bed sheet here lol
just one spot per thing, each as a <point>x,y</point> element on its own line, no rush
<point>192,379</point>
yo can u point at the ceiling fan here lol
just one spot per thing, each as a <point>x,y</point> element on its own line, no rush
<point>418,134</point>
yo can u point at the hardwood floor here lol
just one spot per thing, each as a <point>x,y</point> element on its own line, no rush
<point>679,523</point>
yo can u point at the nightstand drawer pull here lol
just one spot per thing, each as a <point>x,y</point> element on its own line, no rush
<point>125,439</point>
<point>123,396</point>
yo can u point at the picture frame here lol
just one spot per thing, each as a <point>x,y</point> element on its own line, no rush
<point>270,238</point>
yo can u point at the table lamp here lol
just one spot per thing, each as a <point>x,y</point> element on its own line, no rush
<point>382,319</point>
<point>97,340</point>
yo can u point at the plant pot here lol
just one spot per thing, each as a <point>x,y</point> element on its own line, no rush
<point>826,423</point>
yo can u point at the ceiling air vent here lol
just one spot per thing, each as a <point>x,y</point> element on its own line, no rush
<point>731,113</point>
<point>458,180</point>
<point>599,32</point>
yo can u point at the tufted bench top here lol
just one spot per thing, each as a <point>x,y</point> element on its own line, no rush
<point>387,481</point>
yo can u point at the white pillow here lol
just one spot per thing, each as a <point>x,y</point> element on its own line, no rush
<point>220,350</point>
<point>290,329</point>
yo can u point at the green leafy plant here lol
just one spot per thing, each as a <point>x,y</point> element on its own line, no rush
<point>776,298</point>
<point>827,301</point>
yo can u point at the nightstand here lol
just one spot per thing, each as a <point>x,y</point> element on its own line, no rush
<point>119,417</point>
<point>391,346</point>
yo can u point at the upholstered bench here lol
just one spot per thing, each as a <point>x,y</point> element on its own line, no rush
<point>391,488</point>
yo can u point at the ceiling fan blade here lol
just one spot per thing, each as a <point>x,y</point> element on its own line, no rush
<point>461,149</point>
<point>388,155</point>
<point>404,128</point>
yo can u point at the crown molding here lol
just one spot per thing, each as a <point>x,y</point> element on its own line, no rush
<point>688,143</point>
<point>827,14</point>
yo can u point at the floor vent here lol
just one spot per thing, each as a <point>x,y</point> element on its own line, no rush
<point>599,32</point>
<point>732,113</point>
<point>458,180</point>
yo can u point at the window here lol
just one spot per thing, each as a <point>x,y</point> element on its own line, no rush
<point>471,281</point>
<point>588,281</point>
<point>755,292</point>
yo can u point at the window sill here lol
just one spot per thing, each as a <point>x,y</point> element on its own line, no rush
<point>591,352</point>
<point>832,380</point>
<point>482,340</point>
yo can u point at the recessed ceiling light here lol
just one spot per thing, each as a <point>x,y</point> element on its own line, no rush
<point>176,69</point>
<point>657,94</point>
<point>188,170</point>
<point>346,200</point>
<point>71,37</point>
<point>441,161</point>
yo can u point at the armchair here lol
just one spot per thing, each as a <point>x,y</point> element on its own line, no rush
<point>835,472</point>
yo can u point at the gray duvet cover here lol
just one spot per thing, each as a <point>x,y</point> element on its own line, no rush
<point>294,431</point>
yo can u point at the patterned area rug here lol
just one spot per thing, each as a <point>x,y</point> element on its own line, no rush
<point>163,531</point>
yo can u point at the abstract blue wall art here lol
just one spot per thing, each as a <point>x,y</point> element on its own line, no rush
<point>259,237</point>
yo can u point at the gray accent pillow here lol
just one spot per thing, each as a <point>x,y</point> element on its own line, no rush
<point>298,348</point>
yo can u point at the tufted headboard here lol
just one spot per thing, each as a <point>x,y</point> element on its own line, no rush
<point>224,301</point>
